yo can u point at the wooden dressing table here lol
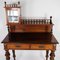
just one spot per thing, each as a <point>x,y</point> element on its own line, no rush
<point>30,34</point>
<point>34,41</point>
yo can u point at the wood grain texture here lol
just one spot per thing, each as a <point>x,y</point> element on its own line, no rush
<point>23,46</point>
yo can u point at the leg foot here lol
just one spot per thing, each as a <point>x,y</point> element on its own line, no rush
<point>52,55</point>
<point>47,51</point>
<point>7,54</point>
<point>14,54</point>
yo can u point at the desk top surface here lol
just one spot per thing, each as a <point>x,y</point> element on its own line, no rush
<point>30,38</point>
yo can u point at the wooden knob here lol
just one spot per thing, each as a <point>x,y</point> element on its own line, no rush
<point>5,4</point>
<point>41,46</point>
<point>18,46</point>
<point>18,2</point>
<point>50,16</point>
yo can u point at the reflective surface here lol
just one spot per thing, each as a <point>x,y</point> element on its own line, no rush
<point>13,15</point>
<point>35,38</point>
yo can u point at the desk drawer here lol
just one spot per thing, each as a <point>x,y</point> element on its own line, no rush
<point>42,46</point>
<point>18,46</point>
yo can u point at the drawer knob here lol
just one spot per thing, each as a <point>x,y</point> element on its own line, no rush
<point>41,46</point>
<point>18,46</point>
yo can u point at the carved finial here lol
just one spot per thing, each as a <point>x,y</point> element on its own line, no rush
<point>5,4</point>
<point>18,2</point>
<point>51,22</point>
<point>50,19</point>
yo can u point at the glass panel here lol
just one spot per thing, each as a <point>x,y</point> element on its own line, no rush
<point>13,15</point>
<point>13,18</point>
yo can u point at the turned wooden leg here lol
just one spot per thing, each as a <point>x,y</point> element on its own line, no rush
<point>13,54</point>
<point>7,54</point>
<point>47,51</point>
<point>52,55</point>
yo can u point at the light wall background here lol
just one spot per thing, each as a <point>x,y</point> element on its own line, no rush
<point>32,9</point>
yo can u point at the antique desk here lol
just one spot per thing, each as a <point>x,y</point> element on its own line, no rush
<point>28,34</point>
<point>30,41</point>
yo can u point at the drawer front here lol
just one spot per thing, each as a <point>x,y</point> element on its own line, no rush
<point>42,46</point>
<point>18,46</point>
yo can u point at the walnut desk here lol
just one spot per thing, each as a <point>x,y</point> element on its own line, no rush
<point>28,34</point>
<point>30,41</point>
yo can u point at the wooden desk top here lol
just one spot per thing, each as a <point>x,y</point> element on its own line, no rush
<point>30,38</point>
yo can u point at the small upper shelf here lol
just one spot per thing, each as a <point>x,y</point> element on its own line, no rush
<point>13,12</point>
<point>14,5</point>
